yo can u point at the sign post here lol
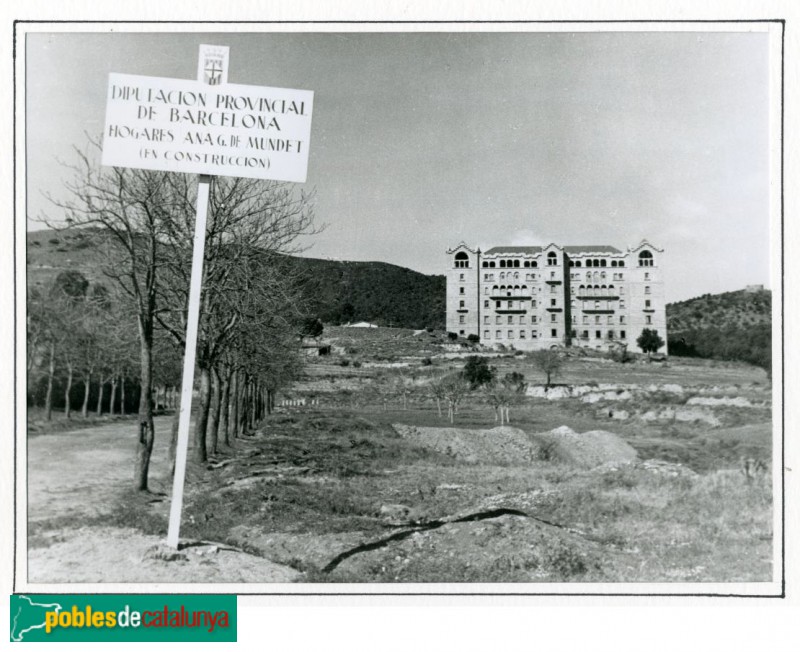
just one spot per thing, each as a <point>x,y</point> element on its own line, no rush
<point>207,127</point>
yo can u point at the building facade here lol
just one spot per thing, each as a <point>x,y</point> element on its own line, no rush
<point>538,297</point>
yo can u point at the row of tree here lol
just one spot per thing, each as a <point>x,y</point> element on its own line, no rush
<point>141,224</point>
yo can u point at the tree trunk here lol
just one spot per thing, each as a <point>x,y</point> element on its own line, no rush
<point>173,440</point>
<point>242,423</point>
<point>122,395</point>
<point>233,419</point>
<point>48,400</point>
<point>113,398</point>
<point>87,383</point>
<point>200,428</point>
<point>213,416</point>
<point>146,434</point>
<point>67,401</point>
<point>224,408</point>
<point>100,398</point>
<point>439,407</point>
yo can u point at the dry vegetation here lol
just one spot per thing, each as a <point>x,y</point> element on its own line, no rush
<point>367,485</point>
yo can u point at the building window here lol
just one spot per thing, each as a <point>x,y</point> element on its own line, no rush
<point>510,319</point>
<point>598,334</point>
<point>597,319</point>
<point>622,335</point>
<point>498,335</point>
<point>552,275</point>
<point>533,303</point>
<point>552,303</point>
<point>622,303</point>
<point>574,319</point>
<point>460,277</point>
<point>461,304</point>
<point>647,276</point>
<point>647,289</point>
<point>622,319</point>
<point>597,305</point>
<point>486,319</point>
<point>648,319</point>
<point>552,289</point>
<point>647,303</point>
<point>611,335</point>
<point>585,335</point>
<point>486,335</point>
<point>461,319</point>
<point>497,305</point>
<point>510,305</point>
<point>486,303</point>
<point>461,333</point>
<point>461,259</point>
<point>511,335</point>
<point>645,259</point>
<point>534,319</point>
<point>498,320</point>
<point>522,319</point>
<point>553,317</point>
<point>554,332</point>
<point>461,290</point>
<point>586,319</point>
<point>610,319</point>
<point>534,334</point>
<point>522,335</point>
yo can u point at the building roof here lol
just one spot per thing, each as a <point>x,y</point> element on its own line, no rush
<point>513,250</point>
<point>591,249</point>
<point>570,249</point>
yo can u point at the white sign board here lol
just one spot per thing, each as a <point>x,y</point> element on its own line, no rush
<point>232,130</point>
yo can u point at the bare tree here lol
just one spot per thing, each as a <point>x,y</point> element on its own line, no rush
<point>548,361</point>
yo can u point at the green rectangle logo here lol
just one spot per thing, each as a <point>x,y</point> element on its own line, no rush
<point>112,618</point>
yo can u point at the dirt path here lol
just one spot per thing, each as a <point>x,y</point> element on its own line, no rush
<point>80,472</point>
<point>75,475</point>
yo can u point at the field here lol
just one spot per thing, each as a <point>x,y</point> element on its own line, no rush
<point>357,478</point>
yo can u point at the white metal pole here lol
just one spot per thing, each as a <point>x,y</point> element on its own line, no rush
<point>212,69</point>
<point>188,361</point>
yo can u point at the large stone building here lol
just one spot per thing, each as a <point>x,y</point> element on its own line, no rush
<point>536,297</point>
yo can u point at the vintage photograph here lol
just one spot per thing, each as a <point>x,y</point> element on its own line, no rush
<point>446,306</point>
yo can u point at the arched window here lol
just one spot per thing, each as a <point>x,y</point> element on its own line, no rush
<point>485,264</point>
<point>645,259</point>
<point>491,263</point>
<point>461,259</point>
<point>603,262</point>
<point>502,276</point>
<point>502,263</point>
<point>527,263</point>
<point>577,263</point>
<point>516,263</point>
<point>588,276</point>
<point>552,258</point>
<point>622,263</point>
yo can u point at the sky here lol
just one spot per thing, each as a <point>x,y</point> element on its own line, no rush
<point>422,140</point>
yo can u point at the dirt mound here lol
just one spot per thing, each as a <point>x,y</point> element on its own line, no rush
<point>587,449</point>
<point>503,445</point>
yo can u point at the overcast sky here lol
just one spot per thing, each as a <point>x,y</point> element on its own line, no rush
<point>422,140</point>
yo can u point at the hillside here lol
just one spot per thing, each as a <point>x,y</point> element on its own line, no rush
<point>728,326</point>
<point>339,291</point>
<point>739,309</point>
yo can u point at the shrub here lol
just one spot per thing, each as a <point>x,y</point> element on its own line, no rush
<point>477,371</point>
<point>472,337</point>
<point>427,362</point>
<point>344,362</point>
<point>356,363</point>
<point>451,336</point>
